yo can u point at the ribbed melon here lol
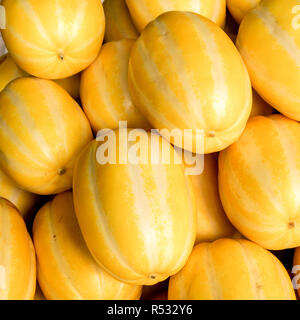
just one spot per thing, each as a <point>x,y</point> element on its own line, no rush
<point>59,247</point>
<point>212,222</point>
<point>144,11</point>
<point>53,39</point>
<point>269,42</point>
<point>138,220</point>
<point>71,85</point>
<point>104,89</point>
<point>231,270</point>
<point>190,82</point>
<point>259,182</point>
<point>17,256</point>
<point>118,23</point>
<point>239,8</point>
<point>42,129</point>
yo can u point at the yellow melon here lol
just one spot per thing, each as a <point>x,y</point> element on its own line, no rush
<point>71,85</point>
<point>231,270</point>
<point>144,11</point>
<point>118,23</point>
<point>8,71</point>
<point>17,256</point>
<point>239,8</point>
<point>23,200</point>
<point>138,218</point>
<point>59,247</point>
<point>269,42</point>
<point>259,182</point>
<point>104,89</point>
<point>41,131</point>
<point>259,106</point>
<point>212,223</point>
<point>53,39</point>
<point>195,82</point>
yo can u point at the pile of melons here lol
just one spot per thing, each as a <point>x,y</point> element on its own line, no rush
<point>74,228</point>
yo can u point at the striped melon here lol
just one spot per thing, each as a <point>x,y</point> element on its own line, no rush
<point>212,223</point>
<point>118,23</point>
<point>138,220</point>
<point>23,200</point>
<point>59,247</point>
<point>8,71</point>
<point>259,182</point>
<point>41,131</point>
<point>259,106</point>
<point>193,82</point>
<point>144,11</point>
<point>104,89</point>
<point>71,85</point>
<point>269,42</point>
<point>17,256</point>
<point>239,8</point>
<point>53,39</point>
<point>231,270</point>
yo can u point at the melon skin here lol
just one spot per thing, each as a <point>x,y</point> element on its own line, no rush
<point>56,46</point>
<point>198,82</point>
<point>212,222</point>
<point>239,8</point>
<point>42,131</point>
<point>104,89</point>
<point>138,220</point>
<point>118,21</point>
<point>17,260</point>
<point>259,184</point>
<point>59,246</point>
<point>8,71</point>
<point>228,269</point>
<point>270,56</point>
<point>71,85</point>
<point>145,11</point>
